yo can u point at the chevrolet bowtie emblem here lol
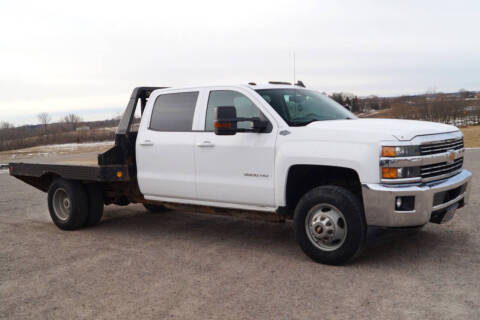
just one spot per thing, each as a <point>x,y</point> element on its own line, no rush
<point>451,156</point>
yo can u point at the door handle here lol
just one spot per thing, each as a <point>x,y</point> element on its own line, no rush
<point>205,144</point>
<point>146,143</point>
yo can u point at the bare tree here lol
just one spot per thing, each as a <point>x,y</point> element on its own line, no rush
<point>6,125</point>
<point>6,131</point>
<point>72,120</point>
<point>44,118</point>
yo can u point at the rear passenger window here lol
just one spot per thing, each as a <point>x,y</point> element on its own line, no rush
<point>174,112</point>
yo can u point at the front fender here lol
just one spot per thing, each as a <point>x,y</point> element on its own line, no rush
<point>363,158</point>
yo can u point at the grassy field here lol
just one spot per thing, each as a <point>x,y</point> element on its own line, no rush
<point>472,136</point>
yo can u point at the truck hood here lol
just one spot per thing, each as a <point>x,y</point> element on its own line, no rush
<point>400,129</point>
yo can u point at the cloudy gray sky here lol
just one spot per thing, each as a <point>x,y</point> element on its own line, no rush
<point>86,56</point>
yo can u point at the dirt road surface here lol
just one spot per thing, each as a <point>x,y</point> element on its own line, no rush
<point>184,265</point>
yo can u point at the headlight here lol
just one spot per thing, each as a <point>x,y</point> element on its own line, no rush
<point>400,151</point>
<point>400,173</point>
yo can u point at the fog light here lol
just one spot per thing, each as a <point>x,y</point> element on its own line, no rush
<point>398,203</point>
<point>405,203</point>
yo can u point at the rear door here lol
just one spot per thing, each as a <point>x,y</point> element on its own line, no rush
<point>237,169</point>
<point>165,147</point>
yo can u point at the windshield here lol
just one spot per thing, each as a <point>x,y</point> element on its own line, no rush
<point>299,107</point>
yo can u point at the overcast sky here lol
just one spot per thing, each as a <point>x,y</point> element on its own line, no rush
<point>87,56</point>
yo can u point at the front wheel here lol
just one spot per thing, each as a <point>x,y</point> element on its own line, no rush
<point>329,225</point>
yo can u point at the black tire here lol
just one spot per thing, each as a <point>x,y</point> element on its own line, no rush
<point>75,214</point>
<point>153,208</point>
<point>95,204</point>
<point>355,226</point>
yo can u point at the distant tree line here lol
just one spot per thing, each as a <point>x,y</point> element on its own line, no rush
<point>359,105</point>
<point>452,110</point>
<point>46,132</point>
<point>459,108</point>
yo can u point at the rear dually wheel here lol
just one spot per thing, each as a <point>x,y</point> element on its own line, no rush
<point>68,204</point>
<point>95,204</point>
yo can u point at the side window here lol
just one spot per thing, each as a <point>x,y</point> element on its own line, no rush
<point>221,98</point>
<point>174,112</point>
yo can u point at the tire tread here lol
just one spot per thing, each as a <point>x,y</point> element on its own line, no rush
<point>95,204</point>
<point>78,196</point>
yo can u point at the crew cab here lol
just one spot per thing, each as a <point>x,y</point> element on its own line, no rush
<point>275,151</point>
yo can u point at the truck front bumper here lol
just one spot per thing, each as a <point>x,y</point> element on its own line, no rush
<point>431,201</point>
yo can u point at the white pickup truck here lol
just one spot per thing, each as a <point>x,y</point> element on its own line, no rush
<point>274,150</point>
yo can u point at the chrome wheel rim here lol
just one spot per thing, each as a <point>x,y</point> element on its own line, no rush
<point>62,204</point>
<point>326,227</point>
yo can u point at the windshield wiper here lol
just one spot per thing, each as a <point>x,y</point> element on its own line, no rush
<point>304,123</point>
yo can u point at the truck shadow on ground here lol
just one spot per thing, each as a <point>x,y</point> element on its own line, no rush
<point>383,245</point>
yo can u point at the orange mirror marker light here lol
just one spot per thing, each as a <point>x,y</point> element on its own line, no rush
<point>222,125</point>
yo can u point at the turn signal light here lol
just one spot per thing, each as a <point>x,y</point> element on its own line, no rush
<point>388,152</point>
<point>222,125</point>
<point>389,173</point>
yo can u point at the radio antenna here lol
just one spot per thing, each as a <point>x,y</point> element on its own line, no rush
<point>294,68</point>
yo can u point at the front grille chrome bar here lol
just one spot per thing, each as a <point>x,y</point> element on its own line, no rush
<point>428,172</point>
<point>419,161</point>
<point>441,146</point>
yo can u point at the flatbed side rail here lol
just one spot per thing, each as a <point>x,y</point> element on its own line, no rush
<point>40,175</point>
<point>74,172</point>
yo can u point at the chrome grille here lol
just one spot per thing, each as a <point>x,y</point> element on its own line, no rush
<point>434,171</point>
<point>440,147</point>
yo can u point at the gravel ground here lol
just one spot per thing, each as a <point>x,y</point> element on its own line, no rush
<point>190,266</point>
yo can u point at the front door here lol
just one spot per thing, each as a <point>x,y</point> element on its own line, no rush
<point>236,169</point>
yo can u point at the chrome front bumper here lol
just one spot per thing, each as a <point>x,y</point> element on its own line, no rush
<point>379,201</point>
